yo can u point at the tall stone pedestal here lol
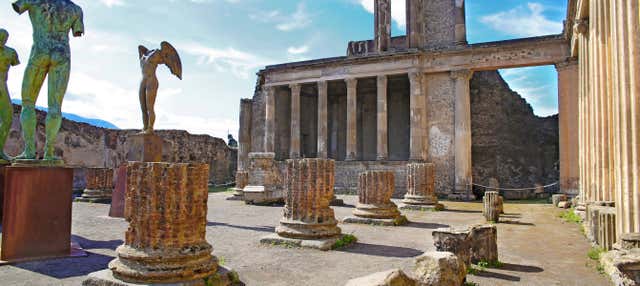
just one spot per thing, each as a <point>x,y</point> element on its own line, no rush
<point>144,148</point>
<point>166,207</point>
<point>37,213</point>
<point>264,185</point>
<point>308,221</point>
<point>421,188</point>
<point>99,187</point>
<point>492,206</point>
<point>375,189</point>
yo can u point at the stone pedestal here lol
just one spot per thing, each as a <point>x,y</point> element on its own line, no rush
<point>308,221</point>
<point>118,195</point>
<point>375,189</point>
<point>607,228</point>
<point>492,206</point>
<point>421,188</point>
<point>454,240</point>
<point>144,148</point>
<point>37,213</point>
<point>2,168</point>
<point>484,243</point>
<point>264,184</point>
<point>99,186</point>
<point>242,179</point>
<point>166,207</point>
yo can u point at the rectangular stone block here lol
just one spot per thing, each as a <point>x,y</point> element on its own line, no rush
<point>144,148</point>
<point>37,213</point>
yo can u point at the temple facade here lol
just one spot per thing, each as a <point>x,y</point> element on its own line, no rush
<point>395,100</point>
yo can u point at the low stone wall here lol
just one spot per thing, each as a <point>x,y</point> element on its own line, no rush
<point>347,173</point>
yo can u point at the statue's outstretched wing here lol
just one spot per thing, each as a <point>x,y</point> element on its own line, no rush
<point>142,50</point>
<point>172,59</point>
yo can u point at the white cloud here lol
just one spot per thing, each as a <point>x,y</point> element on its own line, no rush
<point>523,22</point>
<point>298,50</point>
<point>111,3</point>
<point>240,63</point>
<point>298,20</point>
<point>398,10</point>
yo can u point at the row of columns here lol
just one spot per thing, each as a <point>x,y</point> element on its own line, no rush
<point>608,37</point>
<point>419,132</point>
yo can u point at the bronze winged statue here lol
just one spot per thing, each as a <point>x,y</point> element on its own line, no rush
<point>149,61</point>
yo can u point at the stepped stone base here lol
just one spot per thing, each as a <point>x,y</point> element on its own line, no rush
<point>257,195</point>
<point>224,277</point>
<point>323,244</point>
<point>401,220</point>
<point>423,208</point>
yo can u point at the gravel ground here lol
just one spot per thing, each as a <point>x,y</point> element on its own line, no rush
<point>536,247</point>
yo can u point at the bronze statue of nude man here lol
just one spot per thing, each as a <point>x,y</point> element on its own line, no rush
<point>50,56</point>
<point>8,58</point>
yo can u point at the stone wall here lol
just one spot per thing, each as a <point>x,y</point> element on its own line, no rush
<point>84,145</point>
<point>510,143</point>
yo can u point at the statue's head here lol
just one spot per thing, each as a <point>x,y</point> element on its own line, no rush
<point>4,35</point>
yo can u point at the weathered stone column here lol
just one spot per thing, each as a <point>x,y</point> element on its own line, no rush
<point>491,210</point>
<point>606,228</point>
<point>99,185</point>
<point>461,23</point>
<point>352,119</point>
<point>580,28</point>
<point>270,119</point>
<point>323,137</point>
<point>294,147</point>
<point>417,144</point>
<point>308,220</point>
<point>383,132</point>
<point>375,189</point>
<point>166,207</point>
<point>244,134</point>
<point>568,117</point>
<point>421,188</point>
<point>462,139</point>
<point>382,15</point>
<point>415,24</point>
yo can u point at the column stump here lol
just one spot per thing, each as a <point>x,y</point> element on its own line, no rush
<point>99,188</point>
<point>492,206</point>
<point>307,220</point>
<point>375,189</point>
<point>242,179</point>
<point>166,207</point>
<point>421,188</point>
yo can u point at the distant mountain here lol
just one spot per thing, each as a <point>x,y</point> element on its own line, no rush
<point>77,118</point>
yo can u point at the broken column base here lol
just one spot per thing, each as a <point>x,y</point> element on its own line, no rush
<point>422,208</point>
<point>258,195</point>
<point>622,266</point>
<point>95,196</point>
<point>323,244</point>
<point>401,220</point>
<point>224,277</point>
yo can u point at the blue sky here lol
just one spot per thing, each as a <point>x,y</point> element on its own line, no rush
<point>224,42</point>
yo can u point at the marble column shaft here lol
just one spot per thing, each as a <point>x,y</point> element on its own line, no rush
<point>270,119</point>
<point>418,117</point>
<point>323,93</point>
<point>352,119</point>
<point>294,146</point>
<point>463,171</point>
<point>382,126</point>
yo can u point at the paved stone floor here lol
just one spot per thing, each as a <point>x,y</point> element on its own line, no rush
<point>536,247</point>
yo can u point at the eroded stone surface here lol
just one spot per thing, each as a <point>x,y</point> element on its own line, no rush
<point>484,243</point>
<point>439,268</point>
<point>492,206</point>
<point>394,277</point>
<point>375,189</point>
<point>420,185</point>
<point>622,266</point>
<point>100,184</point>
<point>453,240</point>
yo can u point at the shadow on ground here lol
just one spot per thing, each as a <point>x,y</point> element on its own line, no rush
<point>68,267</point>
<point>381,250</point>
<point>86,243</point>
<point>269,229</point>
<point>516,222</point>
<point>425,225</point>
<point>462,211</point>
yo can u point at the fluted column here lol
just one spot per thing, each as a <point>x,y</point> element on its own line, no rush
<point>568,117</point>
<point>375,189</point>
<point>491,210</point>
<point>382,25</point>
<point>421,188</point>
<point>581,29</point>
<point>383,132</point>
<point>166,207</point>
<point>418,110</point>
<point>352,119</point>
<point>294,146</point>
<point>99,185</point>
<point>270,119</point>
<point>462,139</point>
<point>323,93</point>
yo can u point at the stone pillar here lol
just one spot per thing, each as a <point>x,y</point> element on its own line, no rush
<point>462,141</point>
<point>580,28</point>
<point>166,207</point>
<point>294,147</point>
<point>352,119</point>
<point>383,133</point>
<point>607,228</point>
<point>99,185</point>
<point>307,215</point>
<point>323,137</point>
<point>264,184</point>
<point>454,240</point>
<point>244,134</point>
<point>461,23</point>
<point>421,188</point>
<point>415,24</point>
<point>484,243</point>
<point>375,189</point>
<point>382,15</point>
<point>568,117</point>
<point>417,144</point>
<point>270,119</point>
<point>491,210</point>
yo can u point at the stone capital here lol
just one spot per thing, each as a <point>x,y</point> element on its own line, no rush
<point>415,76</point>
<point>295,87</point>
<point>269,90</point>
<point>461,74</point>
<point>569,63</point>
<point>581,26</point>
<point>323,84</point>
<point>352,82</point>
<point>382,80</point>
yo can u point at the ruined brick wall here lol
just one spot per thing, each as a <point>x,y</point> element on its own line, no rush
<point>84,145</point>
<point>510,143</point>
